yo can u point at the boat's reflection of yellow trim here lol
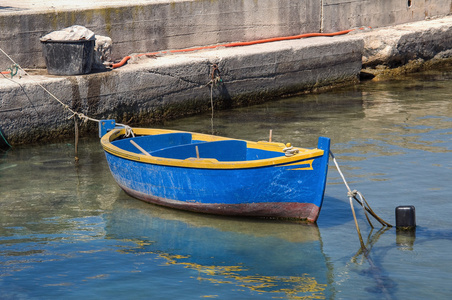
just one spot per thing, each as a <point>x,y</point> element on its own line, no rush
<point>278,260</point>
<point>292,286</point>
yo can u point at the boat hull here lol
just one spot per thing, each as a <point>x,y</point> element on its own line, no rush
<point>291,190</point>
<point>278,210</point>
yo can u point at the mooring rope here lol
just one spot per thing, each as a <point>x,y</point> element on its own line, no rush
<point>4,139</point>
<point>215,79</point>
<point>81,116</point>
<point>12,70</point>
<point>290,150</point>
<point>65,106</point>
<point>362,201</point>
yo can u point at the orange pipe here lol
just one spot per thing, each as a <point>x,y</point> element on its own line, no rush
<point>285,38</point>
<point>237,44</point>
<point>122,62</point>
<point>195,49</point>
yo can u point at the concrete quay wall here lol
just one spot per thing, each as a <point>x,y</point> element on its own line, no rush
<point>146,90</point>
<point>153,25</point>
<point>172,86</point>
<point>151,89</point>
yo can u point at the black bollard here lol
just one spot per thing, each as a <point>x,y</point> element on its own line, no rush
<point>405,217</point>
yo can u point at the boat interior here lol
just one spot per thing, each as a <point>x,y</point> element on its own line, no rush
<point>180,145</point>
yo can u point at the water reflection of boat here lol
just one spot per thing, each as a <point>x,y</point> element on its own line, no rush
<point>263,257</point>
<point>211,174</point>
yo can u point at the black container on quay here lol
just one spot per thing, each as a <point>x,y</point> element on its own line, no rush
<point>68,57</point>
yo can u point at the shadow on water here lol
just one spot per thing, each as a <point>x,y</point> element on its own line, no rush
<point>408,239</point>
<point>384,286</point>
<point>338,213</point>
<point>371,265</point>
<point>335,211</point>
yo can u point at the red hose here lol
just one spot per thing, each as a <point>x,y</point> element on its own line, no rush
<point>121,63</point>
<point>237,44</point>
<point>286,38</point>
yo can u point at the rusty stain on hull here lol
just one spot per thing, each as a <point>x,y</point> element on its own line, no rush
<point>280,210</point>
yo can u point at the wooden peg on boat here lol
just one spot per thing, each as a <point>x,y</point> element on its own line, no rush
<point>139,148</point>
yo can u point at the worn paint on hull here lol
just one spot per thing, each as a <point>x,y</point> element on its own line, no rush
<point>279,210</point>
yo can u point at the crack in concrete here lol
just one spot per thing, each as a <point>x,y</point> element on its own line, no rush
<point>191,82</point>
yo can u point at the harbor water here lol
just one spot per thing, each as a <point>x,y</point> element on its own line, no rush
<point>68,232</point>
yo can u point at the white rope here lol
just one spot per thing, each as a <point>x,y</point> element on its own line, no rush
<point>291,151</point>
<point>351,195</point>
<point>65,106</point>
<point>362,200</point>
<point>340,173</point>
<point>129,130</point>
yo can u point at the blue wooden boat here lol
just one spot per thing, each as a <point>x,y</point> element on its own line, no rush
<point>217,175</point>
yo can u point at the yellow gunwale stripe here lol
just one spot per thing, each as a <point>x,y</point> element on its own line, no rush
<point>304,162</point>
<point>207,163</point>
